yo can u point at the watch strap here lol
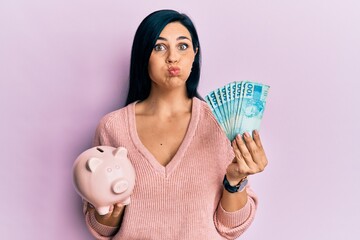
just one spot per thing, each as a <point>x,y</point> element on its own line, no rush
<point>233,189</point>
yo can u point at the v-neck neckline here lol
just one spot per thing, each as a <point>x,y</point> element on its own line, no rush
<point>166,170</point>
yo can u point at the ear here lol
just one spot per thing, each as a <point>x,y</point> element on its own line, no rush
<point>93,163</point>
<point>120,152</point>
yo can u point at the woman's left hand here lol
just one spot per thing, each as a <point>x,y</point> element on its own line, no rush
<point>249,158</point>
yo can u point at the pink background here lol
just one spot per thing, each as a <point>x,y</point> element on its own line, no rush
<point>64,64</point>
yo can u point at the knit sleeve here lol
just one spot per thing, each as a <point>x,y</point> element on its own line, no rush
<point>99,138</point>
<point>98,230</point>
<point>104,131</point>
<point>232,224</point>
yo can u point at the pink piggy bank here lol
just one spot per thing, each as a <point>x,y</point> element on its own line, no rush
<point>104,176</point>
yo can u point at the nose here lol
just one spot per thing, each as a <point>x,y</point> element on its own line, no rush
<point>173,56</point>
<point>120,186</point>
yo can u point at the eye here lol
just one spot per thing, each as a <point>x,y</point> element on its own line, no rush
<point>159,47</point>
<point>183,46</point>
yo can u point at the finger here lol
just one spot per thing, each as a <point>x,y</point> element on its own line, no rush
<point>246,164</point>
<point>259,152</point>
<point>117,210</point>
<point>243,149</point>
<point>85,206</point>
<point>255,152</point>
<point>237,152</point>
<point>257,139</point>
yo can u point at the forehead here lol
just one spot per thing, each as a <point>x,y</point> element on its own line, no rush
<point>175,29</point>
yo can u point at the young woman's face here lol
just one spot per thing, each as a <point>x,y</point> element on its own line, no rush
<point>172,57</point>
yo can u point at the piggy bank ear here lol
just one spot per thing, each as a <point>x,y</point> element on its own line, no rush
<point>93,163</point>
<point>120,152</point>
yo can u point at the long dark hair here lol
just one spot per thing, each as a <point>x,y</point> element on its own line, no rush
<point>144,41</point>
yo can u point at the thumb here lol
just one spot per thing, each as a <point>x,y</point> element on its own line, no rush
<point>117,209</point>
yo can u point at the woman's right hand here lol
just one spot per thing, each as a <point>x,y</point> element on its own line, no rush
<point>111,219</point>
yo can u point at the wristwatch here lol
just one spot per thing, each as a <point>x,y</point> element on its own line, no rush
<point>238,188</point>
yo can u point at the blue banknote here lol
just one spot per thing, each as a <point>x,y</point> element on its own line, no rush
<point>252,107</point>
<point>212,102</point>
<point>215,109</point>
<point>238,106</point>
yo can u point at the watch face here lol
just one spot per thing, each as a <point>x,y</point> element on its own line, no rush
<point>242,185</point>
<point>237,188</point>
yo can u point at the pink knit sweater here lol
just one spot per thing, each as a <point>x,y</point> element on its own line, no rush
<point>182,199</point>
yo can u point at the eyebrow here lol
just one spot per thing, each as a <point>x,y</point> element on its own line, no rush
<point>179,38</point>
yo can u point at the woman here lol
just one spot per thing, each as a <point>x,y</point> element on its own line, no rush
<point>191,181</point>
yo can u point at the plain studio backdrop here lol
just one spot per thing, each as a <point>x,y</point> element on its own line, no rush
<point>64,64</point>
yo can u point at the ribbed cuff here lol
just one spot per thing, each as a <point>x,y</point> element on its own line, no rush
<point>101,229</point>
<point>231,219</point>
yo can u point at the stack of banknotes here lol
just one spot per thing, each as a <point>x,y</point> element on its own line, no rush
<point>238,106</point>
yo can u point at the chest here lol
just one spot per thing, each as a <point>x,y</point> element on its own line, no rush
<point>162,137</point>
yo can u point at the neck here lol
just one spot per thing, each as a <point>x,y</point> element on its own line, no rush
<point>167,103</point>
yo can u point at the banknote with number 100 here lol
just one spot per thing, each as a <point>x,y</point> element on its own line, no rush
<point>238,106</point>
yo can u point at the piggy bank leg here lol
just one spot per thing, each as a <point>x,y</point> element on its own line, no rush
<point>103,210</point>
<point>126,201</point>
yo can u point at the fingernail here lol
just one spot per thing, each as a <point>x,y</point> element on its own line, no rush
<point>255,132</point>
<point>247,135</point>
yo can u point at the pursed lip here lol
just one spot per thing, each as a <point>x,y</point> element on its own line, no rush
<point>174,71</point>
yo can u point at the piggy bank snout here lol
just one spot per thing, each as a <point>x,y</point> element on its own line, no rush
<point>120,186</point>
